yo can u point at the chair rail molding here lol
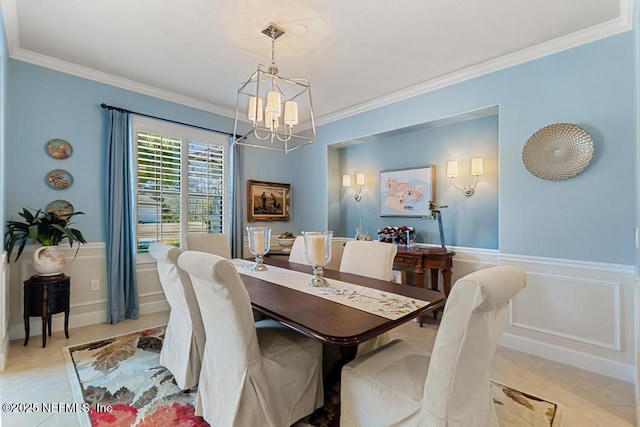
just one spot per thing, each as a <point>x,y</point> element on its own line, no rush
<point>580,313</point>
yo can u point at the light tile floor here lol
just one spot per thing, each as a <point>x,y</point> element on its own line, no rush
<point>36,374</point>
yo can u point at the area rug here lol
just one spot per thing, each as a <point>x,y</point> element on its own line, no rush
<point>120,382</point>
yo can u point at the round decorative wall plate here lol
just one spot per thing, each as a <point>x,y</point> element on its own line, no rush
<point>557,151</point>
<point>59,179</point>
<point>59,149</point>
<point>61,208</point>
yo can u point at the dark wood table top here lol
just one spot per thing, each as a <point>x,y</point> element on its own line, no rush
<point>326,320</point>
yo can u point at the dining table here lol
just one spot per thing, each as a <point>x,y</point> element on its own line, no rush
<point>329,321</point>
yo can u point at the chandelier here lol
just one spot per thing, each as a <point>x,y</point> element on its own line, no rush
<point>271,103</point>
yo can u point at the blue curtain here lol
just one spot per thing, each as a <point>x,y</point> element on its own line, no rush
<point>237,229</point>
<point>122,298</point>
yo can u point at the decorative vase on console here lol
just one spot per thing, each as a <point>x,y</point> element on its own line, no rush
<point>48,229</point>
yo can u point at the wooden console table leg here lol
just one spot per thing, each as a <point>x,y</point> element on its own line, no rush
<point>434,287</point>
<point>419,272</point>
<point>446,276</point>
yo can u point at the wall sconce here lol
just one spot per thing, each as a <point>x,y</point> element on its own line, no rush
<point>476,169</point>
<point>346,182</point>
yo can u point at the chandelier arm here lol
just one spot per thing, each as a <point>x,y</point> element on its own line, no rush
<point>287,135</point>
<point>266,136</point>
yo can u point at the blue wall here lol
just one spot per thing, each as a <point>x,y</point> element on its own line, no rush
<point>589,217</point>
<point>45,104</point>
<point>468,221</point>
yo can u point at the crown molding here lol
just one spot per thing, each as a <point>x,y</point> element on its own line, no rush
<point>606,29</point>
<point>110,79</point>
<point>615,26</point>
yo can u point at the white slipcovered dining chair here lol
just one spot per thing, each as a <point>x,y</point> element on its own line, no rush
<point>400,385</point>
<point>213,243</point>
<point>371,259</point>
<point>368,258</point>
<point>184,337</point>
<point>297,253</point>
<point>253,374</point>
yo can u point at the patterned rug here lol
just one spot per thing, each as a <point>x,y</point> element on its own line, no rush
<point>122,383</point>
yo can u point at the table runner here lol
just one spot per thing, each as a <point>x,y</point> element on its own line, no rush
<point>374,301</point>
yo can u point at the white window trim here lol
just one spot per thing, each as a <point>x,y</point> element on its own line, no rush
<point>145,124</point>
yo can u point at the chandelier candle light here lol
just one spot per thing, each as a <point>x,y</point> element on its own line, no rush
<point>317,251</point>
<point>259,238</point>
<point>272,106</point>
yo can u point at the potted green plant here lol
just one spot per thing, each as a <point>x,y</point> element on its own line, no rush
<point>47,228</point>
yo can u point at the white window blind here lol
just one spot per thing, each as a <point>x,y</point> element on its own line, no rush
<point>180,183</point>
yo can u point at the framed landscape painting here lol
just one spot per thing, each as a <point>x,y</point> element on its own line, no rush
<point>268,201</point>
<point>406,192</point>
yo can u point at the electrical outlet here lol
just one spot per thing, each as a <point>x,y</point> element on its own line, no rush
<point>95,284</point>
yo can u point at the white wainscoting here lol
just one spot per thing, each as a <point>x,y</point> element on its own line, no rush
<point>87,307</point>
<point>4,310</point>
<point>574,312</point>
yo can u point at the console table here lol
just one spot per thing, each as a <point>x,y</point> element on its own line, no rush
<point>432,258</point>
<point>43,297</point>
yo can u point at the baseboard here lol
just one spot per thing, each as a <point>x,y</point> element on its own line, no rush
<point>570,357</point>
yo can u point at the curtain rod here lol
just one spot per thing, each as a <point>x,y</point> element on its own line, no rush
<point>122,110</point>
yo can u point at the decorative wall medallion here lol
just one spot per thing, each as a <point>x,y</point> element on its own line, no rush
<point>59,179</point>
<point>59,149</point>
<point>61,208</point>
<point>557,151</point>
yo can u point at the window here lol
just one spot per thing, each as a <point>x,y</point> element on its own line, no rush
<point>180,182</point>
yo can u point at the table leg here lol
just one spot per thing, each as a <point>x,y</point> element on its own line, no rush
<point>66,323</point>
<point>446,276</point>
<point>434,280</point>
<point>419,271</point>
<point>434,287</point>
<point>45,321</point>
<point>27,326</point>
<point>347,354</point>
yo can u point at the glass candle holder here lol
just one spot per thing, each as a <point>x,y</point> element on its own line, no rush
<point>317,251</point>
<point>259,238</point>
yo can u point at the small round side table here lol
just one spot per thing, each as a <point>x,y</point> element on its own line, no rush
<point>43,297</point>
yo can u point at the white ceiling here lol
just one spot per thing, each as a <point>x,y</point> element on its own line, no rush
<point>357,54</point>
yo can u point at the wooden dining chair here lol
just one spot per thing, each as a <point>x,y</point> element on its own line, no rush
<point>213,243</point>
<point>399,384</point>
<point>184,337</point>
<point>297,253</point>
<point>253,374</point>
